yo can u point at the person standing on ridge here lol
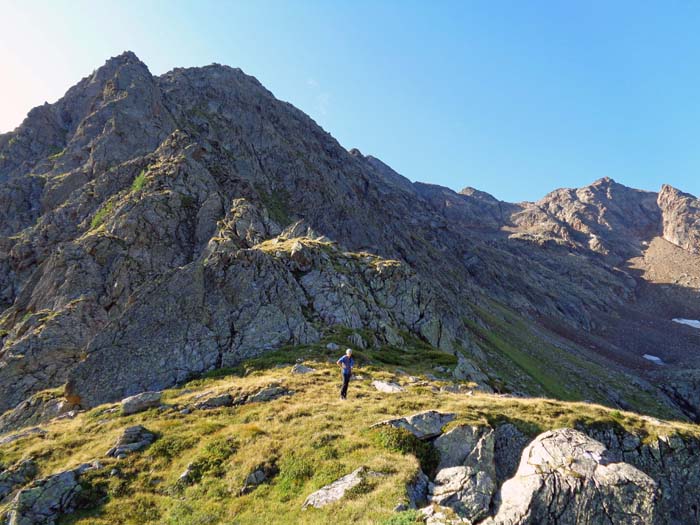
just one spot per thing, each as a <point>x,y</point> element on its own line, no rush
<point>346,363</point>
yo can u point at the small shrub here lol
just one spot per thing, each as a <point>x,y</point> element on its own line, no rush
<point>184,514</point>
<point>211,461</point>
<point>171,446</point>
<point>363,487</point>
<point>401,440</point>
<point>142,509</point>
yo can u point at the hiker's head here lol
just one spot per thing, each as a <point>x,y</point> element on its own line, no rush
<point>348,351</point>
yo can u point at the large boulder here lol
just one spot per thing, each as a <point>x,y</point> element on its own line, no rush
<point>566,477</point>
<point>671,460</point>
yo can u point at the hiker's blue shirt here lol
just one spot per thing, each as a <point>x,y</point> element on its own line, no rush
<point>349,362</point>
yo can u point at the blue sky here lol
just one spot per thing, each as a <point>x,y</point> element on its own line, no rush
<point>514,98</point>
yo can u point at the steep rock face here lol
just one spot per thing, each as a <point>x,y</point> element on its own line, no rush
<point>681,218</point>
<point>235,303</point>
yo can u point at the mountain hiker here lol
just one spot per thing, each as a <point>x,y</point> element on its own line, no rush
<point>346,363</point>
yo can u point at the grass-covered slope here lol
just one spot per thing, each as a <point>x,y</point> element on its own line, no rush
<point>310,437</point>
<point>522,355</point>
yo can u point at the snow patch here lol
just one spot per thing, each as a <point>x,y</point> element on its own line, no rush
<point>688,322</point>
<point>653,359</point>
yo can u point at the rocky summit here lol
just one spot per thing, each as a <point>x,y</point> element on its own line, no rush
<point>173,247</point>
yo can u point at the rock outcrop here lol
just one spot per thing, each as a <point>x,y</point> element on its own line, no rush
<point>498,475</point>
<point>46,500</point>
<point>16,476</point>
<point>567,477</point>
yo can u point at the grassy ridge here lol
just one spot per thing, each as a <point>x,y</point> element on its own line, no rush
<point>311,436</point>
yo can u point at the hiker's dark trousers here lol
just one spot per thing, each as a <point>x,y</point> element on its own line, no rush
<point>344,389</point>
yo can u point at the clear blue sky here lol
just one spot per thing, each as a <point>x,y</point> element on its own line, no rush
<point>515,98</point>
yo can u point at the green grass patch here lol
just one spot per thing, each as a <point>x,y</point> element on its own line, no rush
<point>276,204</point>
<point>139,182</point>
<point>102,214</point>
<point>408,517</point>
<point>211,462</point>
<point>295,471</point>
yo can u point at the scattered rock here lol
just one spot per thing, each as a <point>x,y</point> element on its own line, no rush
<point>336,490</point>
<point>387,387</point>
<point>333,347</point>
<point>268,394</point>
<point>140,402</point>
<point>260,474</point>
<point>423,425</point>
<point>222,400</point>
<point>187,476</point>
<point>302,369</point>
<point>133,439</point>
